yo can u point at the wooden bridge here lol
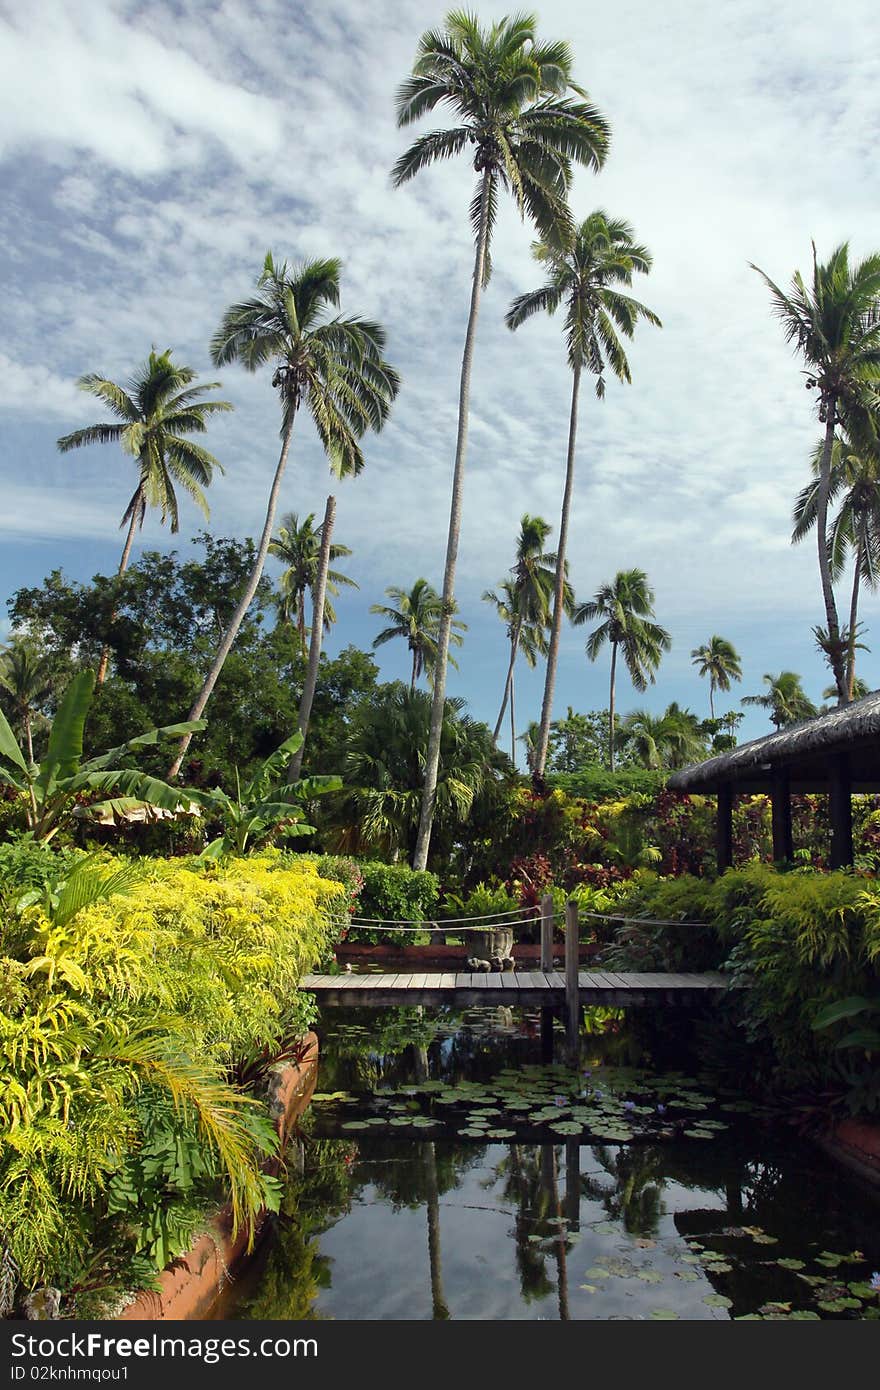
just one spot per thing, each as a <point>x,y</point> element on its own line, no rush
<point>526,988</point>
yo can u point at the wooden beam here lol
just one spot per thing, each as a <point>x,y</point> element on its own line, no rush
<point>547,932</point>
<point>572,992</point>
<point>780,800</point>
<point>840,808</point>
<point>724,827</point>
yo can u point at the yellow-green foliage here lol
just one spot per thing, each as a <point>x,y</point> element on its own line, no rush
<point>164,985</point>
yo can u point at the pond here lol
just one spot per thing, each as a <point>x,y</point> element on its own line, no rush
<point>446,1171</point>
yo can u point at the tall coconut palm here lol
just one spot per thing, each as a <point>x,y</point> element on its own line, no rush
<point>417,620</point>
<point>855,481</point>
<point>524,602</point>
<point>155,413</point>
<point>331,365</point>
<point>785,698</point>
<point>625,610</point>
<point>27,676</point>
<point>585,277</point>
<point>719,660</point>
<point>320,621</point>
<point>298,546</point>
<point>526,639</point>
<point>522,130</point>
<point>835,326</point>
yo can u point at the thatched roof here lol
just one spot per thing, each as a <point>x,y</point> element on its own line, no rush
<point>803,750</point>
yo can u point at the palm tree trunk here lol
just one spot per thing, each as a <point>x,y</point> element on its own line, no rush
<point>123,566</point>
<point>835,654</point>
<point>512,724</point>
<point>611,707</point>
<point>514,647</point>
<point>28,735</point>
<point>308,693</point>
<point>432,760</point>
<point>243,604</point>
<point>415,672</point>
<point>559,589</point>
<point>711,698</point>
<point>854,616</point>
<point>301,621</point>
<point>439,1306</point>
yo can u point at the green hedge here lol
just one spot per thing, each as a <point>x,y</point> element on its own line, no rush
<point>801,940</point>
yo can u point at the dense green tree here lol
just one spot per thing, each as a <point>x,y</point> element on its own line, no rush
<point>522,130</point>
<point>835,326</point>
<point>298,547</point>
<point>624,610</point>
<point>331,365</point>
<point>384,766</point>
<point>669,740</point>
<point>26,675</point>
<point>416,619</point>
<point>585,275</point>
<point>719,660</point>
<point>578,740</point>
<point>785,698</point>
<point>154,415</point>
<point>170,613</point>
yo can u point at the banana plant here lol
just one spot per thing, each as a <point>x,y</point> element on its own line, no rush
<point>52,786</point>
<point>262,805</point>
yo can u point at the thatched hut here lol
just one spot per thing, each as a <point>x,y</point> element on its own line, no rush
<point>836,753</point>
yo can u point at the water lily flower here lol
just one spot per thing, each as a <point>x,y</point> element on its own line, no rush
<point>661,1109</point>
<point>629,1105</point>
<point>875,1282</point>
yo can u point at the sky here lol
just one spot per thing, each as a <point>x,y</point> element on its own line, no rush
<point>151,154</point>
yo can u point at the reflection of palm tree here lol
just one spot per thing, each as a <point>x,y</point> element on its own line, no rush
<point>549,1179</point>
<point>635,1197</point>
<point>438,1297</point>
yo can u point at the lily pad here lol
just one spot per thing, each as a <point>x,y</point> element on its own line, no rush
<point>717,1300</point>
<point>663,1315</point>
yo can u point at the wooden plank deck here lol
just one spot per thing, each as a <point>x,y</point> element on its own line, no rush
<point>528,988</point>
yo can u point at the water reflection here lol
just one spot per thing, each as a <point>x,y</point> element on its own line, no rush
<point>751,1223</point>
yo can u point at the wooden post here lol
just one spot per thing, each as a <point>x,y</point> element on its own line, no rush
<point>547,932</point>
<point>572,1000</point>
<point>724,827</point>
<point>780,801</point>
<point>840,807</point>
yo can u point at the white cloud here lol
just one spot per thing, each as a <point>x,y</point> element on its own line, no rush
<point>191,137</point>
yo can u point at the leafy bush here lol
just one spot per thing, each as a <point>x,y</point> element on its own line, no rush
<point>802,941</point>
<point>394,893</point>
<point>127,994</point>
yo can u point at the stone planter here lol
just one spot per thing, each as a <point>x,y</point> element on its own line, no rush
<point>494,946</point>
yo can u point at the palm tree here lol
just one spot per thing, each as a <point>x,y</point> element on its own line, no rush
<point>672,739</point>
<point>28,678</point>
<point>524,602</point>
<point>523,131</point>
<point>785,698</point>
<point>719,660</point>
<point>855,479</point>
<point>332,365</point>
<point>525,638</point>
<point>322,616</point>
<point>417,619</point>
<point>154,414</point>
<point>384,769</point>
<point>298,546</point>
<point>625,609</point>
<point>860,689</point>
<point>585,276</point>
<point>835,326</point>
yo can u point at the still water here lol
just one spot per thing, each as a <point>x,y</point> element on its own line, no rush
<point>444,1171</point>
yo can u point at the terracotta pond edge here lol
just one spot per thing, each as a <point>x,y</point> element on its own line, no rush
<point>856,1146</point>
<point>191,1285</point>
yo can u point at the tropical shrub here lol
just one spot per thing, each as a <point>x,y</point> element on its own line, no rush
<point>129,994</point>
<point>806,944</point>
<point>394,893</point>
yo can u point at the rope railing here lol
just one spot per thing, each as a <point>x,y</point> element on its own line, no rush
<point>489,917</point>
<point>489,922</point>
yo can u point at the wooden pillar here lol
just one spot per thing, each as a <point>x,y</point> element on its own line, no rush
<point>840,807</point>
<point>572,993</point>
<point>547,932</point>
<point>724,827</point>
<point>780,801</point>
